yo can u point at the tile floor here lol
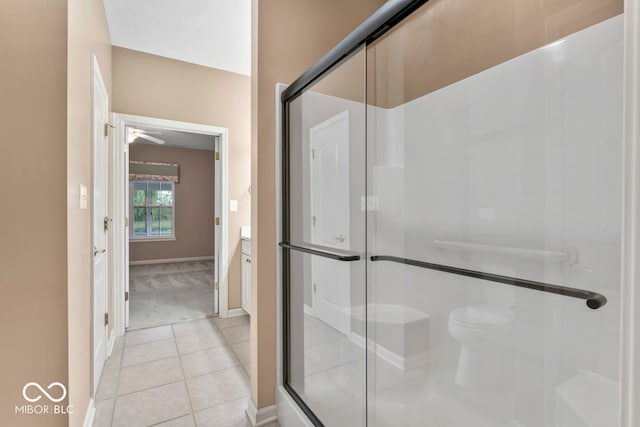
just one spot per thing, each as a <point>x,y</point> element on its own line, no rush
<point>182,375</point>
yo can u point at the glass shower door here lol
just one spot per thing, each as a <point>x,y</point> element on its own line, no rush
<point>494,155</point>
<point>324,246</point>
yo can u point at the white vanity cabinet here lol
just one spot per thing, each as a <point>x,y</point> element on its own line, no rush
<point>246,275</point>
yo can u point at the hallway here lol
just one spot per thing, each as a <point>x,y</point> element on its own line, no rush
<point>186,374</point>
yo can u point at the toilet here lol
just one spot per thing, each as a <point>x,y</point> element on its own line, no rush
<point>485,334</point>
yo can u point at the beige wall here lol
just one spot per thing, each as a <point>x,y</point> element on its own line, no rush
<point>87,34</point>
<point>33,184</point>
<point>289,36</point>
<point>193,203</point>
<point>153,86</point>
<point>446,41</point>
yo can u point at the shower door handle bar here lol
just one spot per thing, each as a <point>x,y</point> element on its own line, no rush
<point>323,251</point>
<point>594,300</point>
<point>536,254</point>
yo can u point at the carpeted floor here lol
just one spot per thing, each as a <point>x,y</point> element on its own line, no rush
<point>162,294</point>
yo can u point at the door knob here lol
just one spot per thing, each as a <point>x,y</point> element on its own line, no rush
<point>96,251</point>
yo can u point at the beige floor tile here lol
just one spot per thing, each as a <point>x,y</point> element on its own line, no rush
<point>108,384</point>
<point>152,406</point>
<point>147,375</point>
<point>104,412</point>
<point>207,361</point>
<point>148,335</point>
<point>195,327</point>
<point>142,353</point>
<point>201,341</point>
<point>235,334</point>
<point>225,322</point>
<point>229,414</point>
<point>186,421</point>
<point>241,350</point>
<point>217,388</point>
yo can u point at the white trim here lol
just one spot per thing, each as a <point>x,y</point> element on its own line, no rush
<point>630,292</point>
<point>111,343</point>
<point>119,203</point>
<point>90,415</point>
<point>236,312</point>
<point>279,88</point>
<point>172,260</point>
<point>308,310</point>
<point>260,417</point>
<point>151,239</point>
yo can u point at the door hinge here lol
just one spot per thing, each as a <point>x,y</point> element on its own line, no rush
<point>217,285</point>
<point>217,155</point>
<point>313,220</point>
<point>314,288</point>
<point>217,220</point>
<point>106,128</point>
<point>106,223</point>
<point>106,319</point>
<point>126,222</point>
<point>126,296</point>
<point>313,153</point>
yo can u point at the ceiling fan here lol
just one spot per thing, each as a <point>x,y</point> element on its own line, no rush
<point>144,134</point>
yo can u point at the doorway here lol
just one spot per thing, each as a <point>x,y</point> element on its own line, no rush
<point>161,274</point>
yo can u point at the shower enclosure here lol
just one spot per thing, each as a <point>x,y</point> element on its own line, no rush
<point>451,218</point>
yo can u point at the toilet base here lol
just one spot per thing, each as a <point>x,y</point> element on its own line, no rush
<point>484,368</point>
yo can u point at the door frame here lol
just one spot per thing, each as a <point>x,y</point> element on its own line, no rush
<point>120,207</point>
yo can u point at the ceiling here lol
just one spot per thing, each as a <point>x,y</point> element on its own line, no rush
<point>213,33</point>
<point>174,138</point>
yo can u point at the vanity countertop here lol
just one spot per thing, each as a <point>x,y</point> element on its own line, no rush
<point>245,232</point>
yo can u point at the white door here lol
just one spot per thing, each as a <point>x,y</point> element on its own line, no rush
<point>329,169</point>
<point>217,236</point>
<point>126,233</point>
<point>99,205</point>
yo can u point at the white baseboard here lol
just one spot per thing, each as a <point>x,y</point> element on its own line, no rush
<point>112,343</point>
<point>235,312</point>
<point>262,416</point>
<point>170,260</point>
<point>308,310</point>
<point>90,414</point>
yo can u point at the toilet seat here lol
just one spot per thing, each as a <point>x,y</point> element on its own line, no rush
<point>482,316</point>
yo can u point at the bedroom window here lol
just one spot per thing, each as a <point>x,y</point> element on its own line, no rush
<point>152,210</point>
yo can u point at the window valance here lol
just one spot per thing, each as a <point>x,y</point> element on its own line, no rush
<point>153,171</point>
